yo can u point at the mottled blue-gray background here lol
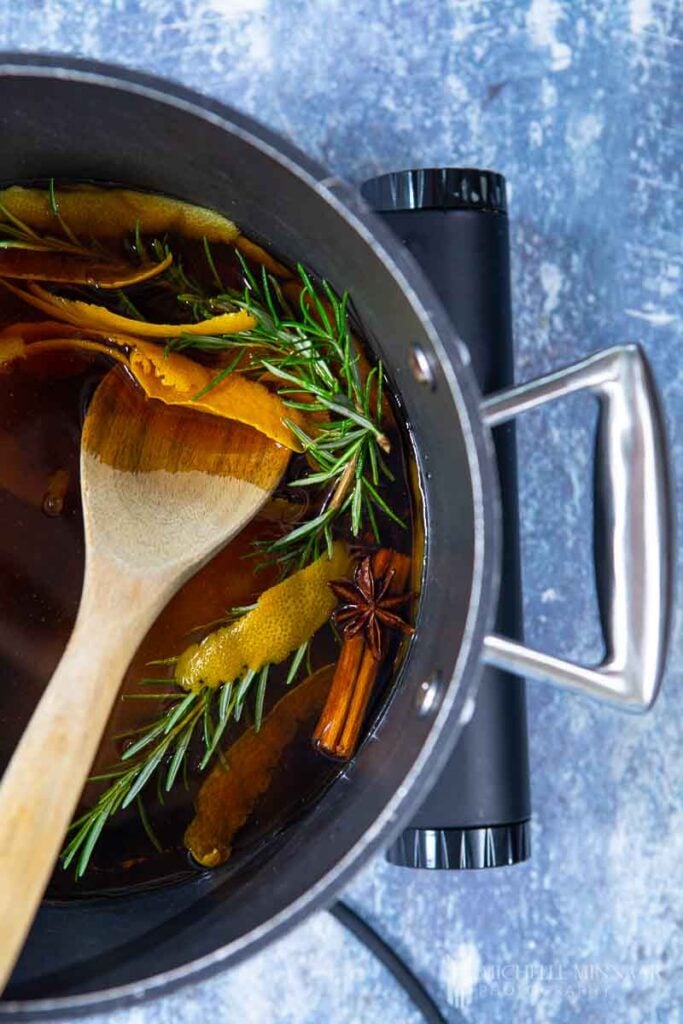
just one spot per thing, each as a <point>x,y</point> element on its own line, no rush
<point>576,103</point>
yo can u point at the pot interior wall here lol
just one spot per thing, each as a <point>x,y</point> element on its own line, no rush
<point>84,126</point>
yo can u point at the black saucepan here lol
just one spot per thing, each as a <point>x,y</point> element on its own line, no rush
<point>75,120</point>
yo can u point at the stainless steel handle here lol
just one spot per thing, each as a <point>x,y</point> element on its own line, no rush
<point>634,529</point>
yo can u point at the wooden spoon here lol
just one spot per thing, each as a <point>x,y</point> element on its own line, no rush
<point>163,489</point>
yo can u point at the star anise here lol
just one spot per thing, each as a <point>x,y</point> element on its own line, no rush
<point>367,606</point>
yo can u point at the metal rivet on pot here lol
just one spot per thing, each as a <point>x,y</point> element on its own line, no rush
<point>421,367</point>
<point>428,696</point>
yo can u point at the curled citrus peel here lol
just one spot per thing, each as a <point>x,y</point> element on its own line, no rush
<point>169,377</point>
<point>144,273</point>
<point>111,213</point>
<point>88,316</point>
<point>177,380</point>
<point>15,348</point>
<point>63,268</point>
<point>285,617</point>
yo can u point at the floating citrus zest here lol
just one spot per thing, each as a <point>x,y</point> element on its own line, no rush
<point>177,380</point>
<point>86,316</point>
<point>13,349</point>
<point>228,794</point>
<point>144,273</point>
<point>63,268</point>
<point>112,213</point>
<point>19,340</point>
<point>285,617</point>
<point>173,379</point>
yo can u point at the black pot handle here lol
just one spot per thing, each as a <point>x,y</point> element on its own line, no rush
<point>634,529</point>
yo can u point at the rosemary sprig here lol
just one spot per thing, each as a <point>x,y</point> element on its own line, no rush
<point>161,749</point>
<point>310,352</point>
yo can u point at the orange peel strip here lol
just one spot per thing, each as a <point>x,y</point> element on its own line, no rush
<point>93,212</point>
<point>228,794</point>
<point>173,379</point>
<point>87,316</point>
<point>46,265</point>
<point>15,348</point>
<point>176,380</point>
<point>144,273</point>
<point>285,617</point>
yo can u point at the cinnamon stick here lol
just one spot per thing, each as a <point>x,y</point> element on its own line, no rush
<point>340,723</point>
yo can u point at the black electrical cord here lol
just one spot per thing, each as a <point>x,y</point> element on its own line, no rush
<point>398,968</point>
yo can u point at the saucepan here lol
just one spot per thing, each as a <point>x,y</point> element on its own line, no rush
<point>72,119</point>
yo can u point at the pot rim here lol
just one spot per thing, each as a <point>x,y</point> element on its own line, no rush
<point>457,703</point>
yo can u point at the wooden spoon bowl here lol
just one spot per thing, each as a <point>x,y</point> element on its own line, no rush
<point>163,488</point>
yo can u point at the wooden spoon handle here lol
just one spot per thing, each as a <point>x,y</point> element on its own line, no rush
<point>47,772</point>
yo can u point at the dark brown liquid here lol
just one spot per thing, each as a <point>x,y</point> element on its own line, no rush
<point>42,404</point>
